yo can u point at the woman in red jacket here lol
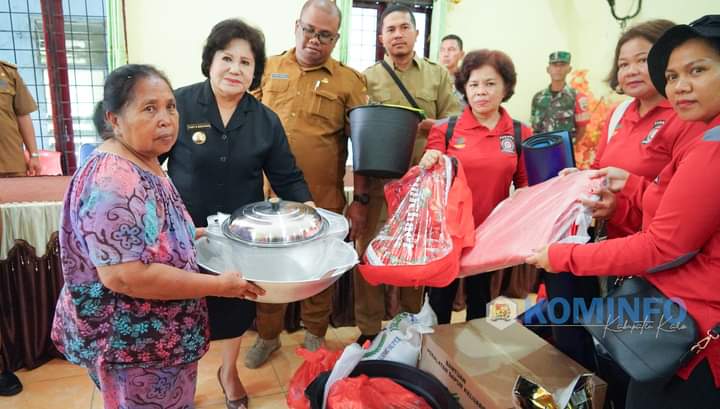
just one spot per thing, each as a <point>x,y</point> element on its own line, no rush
<point>483,141</point>
<point>678,246</point>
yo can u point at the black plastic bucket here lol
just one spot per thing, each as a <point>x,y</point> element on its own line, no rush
<point>383,137</point>
<point>545,155</point>
<point>413,379</point>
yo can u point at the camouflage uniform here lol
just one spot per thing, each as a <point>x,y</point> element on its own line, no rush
<point>564,110</point>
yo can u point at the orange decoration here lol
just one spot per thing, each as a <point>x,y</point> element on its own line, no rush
<point>599,111</point>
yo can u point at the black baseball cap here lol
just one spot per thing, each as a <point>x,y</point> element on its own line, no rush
<point>705,27</point>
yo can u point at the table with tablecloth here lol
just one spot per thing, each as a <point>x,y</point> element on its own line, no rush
<point>30,271</point>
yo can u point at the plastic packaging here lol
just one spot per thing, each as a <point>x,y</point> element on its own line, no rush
<point>416,232</point>
<point>401,340</point>
<point>351,355</point>
<point>372,393</point>
<point>431,223</point>
<point>314,363</point>
<point>529,220</point>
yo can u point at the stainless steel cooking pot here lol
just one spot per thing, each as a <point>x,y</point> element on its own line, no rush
<point>290,249</point>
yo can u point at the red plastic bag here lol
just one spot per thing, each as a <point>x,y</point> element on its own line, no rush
<point>372,393</point>
<point>430,225</point>
<point>315,362</point>
<point>532,219</point>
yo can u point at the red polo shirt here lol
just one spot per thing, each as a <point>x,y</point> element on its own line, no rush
<point>488,157</point>
<point>678,248</point>
<point>642,145</point>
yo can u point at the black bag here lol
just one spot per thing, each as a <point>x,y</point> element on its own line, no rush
<point>654,347</point>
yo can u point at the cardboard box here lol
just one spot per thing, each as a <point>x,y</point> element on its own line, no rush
<point>480,363</point>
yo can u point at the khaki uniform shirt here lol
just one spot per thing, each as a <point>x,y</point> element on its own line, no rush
<point>431,86</point>
<point>313,107</point>
<point>15,101</point>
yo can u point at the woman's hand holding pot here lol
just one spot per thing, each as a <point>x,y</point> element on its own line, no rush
<point>233,285</point>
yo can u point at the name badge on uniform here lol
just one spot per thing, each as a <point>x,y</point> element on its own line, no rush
<point>655,129</point>
<point>507,144</point>
<point>279,76</point>
<point>4,84</point>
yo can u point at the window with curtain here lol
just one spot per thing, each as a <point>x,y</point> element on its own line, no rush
<point>23,43</point>
<point>365,48</point>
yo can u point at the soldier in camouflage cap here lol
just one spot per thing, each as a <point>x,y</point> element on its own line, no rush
<point>560,107</point>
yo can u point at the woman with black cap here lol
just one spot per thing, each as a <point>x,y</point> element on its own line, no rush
<point>678,247</point>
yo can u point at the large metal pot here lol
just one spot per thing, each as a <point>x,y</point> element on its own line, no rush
<point>291,250</point>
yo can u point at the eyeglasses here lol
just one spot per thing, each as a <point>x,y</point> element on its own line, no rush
<point>325,37</point>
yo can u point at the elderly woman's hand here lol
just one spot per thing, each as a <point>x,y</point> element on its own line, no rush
<point>540,259</point>
<point>233,285</point>
<point>604,207</point>
<point>430,158</point>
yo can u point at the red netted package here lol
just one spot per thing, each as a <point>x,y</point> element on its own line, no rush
<point>372,393</point>
<point>531,219</point>
<point>430,223</point>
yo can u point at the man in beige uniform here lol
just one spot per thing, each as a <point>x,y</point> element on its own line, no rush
<point>431,87</point>
<point>16,127</point>
<point>312,94</point>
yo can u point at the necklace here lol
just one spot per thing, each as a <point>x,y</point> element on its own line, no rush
<point>153,166</point>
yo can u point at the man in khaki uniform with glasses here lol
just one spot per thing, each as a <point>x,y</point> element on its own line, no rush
<point>431,87</point>
<point>312,94</point>
<point>16,128</point>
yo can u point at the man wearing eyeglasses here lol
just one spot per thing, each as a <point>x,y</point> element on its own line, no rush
<point>431,87</point>
<point>312,94</point>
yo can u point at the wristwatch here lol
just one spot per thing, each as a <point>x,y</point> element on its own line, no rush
<point>362,198</point>
<point>35,155</point>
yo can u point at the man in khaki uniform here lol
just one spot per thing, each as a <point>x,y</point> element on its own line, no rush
<point>312,94</point>
<point>16,127</point>
<point>431,87</point>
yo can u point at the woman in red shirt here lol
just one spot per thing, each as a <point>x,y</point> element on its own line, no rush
<point>678,246</point>
<point>645,128</point>
<point>484,143</point>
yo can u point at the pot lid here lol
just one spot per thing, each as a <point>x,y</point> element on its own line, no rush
<point>274,223</point>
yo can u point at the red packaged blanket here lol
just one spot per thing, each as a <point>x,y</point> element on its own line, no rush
<point>431,223</point>
<point>531,219</point>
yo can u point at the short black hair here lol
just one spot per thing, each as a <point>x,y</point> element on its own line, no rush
<point>223,33</point>
<point>120,83</point>
<point>397,7</point>
<point>453,37</point>
<point>103,129</point>
<point>501,62</point>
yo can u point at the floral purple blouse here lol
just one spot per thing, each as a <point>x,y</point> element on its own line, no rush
<point>116,212</point>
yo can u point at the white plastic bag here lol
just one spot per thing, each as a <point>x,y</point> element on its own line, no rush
<point>401,340</point>
<point>347,362</point>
